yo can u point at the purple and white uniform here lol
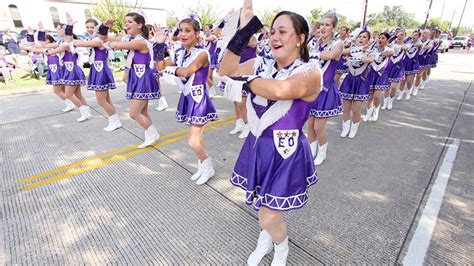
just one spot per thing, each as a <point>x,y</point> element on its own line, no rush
<point>100,76</point>
<point>211,47</point>
<point>434,53</point>
<point>249,53</point>
<point>142,84</point>
<point>424,57</point>
<point>55,71</point>
<point>342,63</point>
<point>215,56</point>
<point>264,50</point>
<point>275,166</point>
<point>396,69</point>
<point>72,73</point>
<point>194,106</point>
<point>328,103</point>
<point>378,74</point>
<point>412,66</point>
<point>355,86</point>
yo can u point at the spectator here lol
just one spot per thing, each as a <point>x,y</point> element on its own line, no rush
<point>11,43</point>
<point>6,68</point>
<point>37,63</point>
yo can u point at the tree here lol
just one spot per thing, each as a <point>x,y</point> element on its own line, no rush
<point>397,16</point>
<point>316,14</point>
<point>115,9</point>
<point>438,23</point>
<point>171,19</point>
<point>206,12</point>
<point>268,15</point>
<point>375,19</point>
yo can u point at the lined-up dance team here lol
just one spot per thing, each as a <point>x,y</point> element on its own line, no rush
<point>278,79</point>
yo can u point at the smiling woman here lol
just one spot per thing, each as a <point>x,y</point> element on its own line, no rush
<point>275,166</point>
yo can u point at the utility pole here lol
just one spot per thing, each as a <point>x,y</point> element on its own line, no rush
<point>451,21</point>
<point>427,13</point>
<point>459,24</point>
<point>362,23</point>
<point>442,10</point>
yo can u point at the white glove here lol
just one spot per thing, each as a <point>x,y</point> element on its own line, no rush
<point>170,70</point>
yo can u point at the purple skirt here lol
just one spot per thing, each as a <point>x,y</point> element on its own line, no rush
<point>328,102</point>
<point>434,60</point>
<point>191,112</point>
<point>73,75</point>
<point>100,77</point>
<point>355,88</point>
<point>425,61</point>
<point>412,66</point>
<point>341,67</point>
<point>396,72</point>
<point>378,80</point>
<point>54,75</point>
<point>271,181</point>
<point>143,87</point>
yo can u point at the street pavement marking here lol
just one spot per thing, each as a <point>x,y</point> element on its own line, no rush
<point>421,239</point>
<point>97,161</point>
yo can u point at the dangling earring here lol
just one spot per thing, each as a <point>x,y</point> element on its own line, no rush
<point>298,45</point>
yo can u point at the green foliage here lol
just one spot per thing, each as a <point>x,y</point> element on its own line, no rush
<point>316,14</point>
<point>437,22</point>
<point>171,19</point>
<point>268,15</point>
<point>462,31</point>
<point>207,12</point>
<point>115,9</point>
<point>391,16</point>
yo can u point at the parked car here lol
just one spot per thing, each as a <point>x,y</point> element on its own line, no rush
<point>445,43</point>
<point>460,41</point>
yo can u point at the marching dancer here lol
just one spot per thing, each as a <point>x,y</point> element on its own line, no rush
<point>378,76</point>
<point>424,58</point>
<point>433,55</point>
<point>412,66</point>
<point>355,87</point>
<point>195,108</point>
<point>328,104</point>
<point>396,70</point>
<point>100,78</point>
<point>54,75</point>
<point>275,166</point>
<point>73,77</point>
<point>341,68</point>
<point>141,83</point>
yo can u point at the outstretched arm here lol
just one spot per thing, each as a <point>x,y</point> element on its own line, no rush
<point>139,45</point>
<point>91,43</point>
<point>305,85</point>
<point>334,54</point>
<point>230,63</point>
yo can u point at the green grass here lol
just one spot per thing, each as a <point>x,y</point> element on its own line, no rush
<point>24,80</point>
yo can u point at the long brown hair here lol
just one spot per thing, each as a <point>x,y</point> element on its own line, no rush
<point>140,20</point>
<point>301,27</point>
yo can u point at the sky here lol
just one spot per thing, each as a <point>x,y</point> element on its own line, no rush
<point>350,8</point>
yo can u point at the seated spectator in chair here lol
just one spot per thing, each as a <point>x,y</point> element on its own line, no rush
<point>6,68</point>
<point>36,65</point>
